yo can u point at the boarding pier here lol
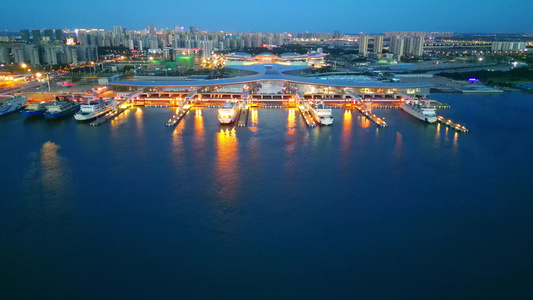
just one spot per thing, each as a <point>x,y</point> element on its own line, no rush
<point>366,109</point>
<point>119,108</point>
<point>303,107</point>
<point>183,108</point>
<point>181,111</point>
<point>245,109</point>
<point>448,122</point>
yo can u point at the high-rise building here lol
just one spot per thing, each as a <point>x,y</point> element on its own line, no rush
<point>49,33</point>
<point>337,34</point>
<point>59,34</point>
<point>378,44</point>
<point>117,32</point>
<point>363,45</point>
<point>154,45</point>
<point>25,35</point>
<point>18,55</point>
<point>72,54</point>
<point>414,46</point>
<point>4,55</point>
<point>508,46</point>
<point>36,35</point>
<point>151,29</point>
<point>207,47</point>
<point>397,46</point>
<point>33,53</point>
<point>407,34</point>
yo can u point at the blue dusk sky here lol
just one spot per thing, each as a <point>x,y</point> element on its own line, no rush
<point>488,16</point>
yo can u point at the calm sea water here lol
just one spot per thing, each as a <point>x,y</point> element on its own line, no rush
<point>132,209</point>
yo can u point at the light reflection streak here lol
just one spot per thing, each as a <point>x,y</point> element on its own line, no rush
<point>346,140</point>
<point>290,139</point>
<point>227,165</point>
<point>47,185</point>
<point>121,118</point>
<point>455,142</point>
<point>53,172</point>
<point>365,122</point>
<point>139,122</point>
<point>398,146</point>
<point>254,119</point>
<point>116,121</point>
<point>437,135</point>
<point>199,135</point>
<point>178,151</point>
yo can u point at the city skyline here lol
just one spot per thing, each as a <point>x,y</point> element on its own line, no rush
<point>278,16</point>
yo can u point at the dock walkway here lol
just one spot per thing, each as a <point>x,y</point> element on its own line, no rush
<point>117,110</point>
<point>449,123</point>
<point>110,115</point>
<point>307,116</point>
<point>243,117</point>
<point>379,122</point>
<point>366,109</point>
<point>180,113</point>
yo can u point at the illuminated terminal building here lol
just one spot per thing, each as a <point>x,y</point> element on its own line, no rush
<point>271,77</point>
<point>313,59</point>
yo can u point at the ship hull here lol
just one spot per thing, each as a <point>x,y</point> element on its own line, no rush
<point>9,110</point>
<point>227,120</point>
<point>61,114</point>
<point>32,113</point>
<point>11,105</point>
<point>418,115</point>
<point>91,116</point>
<point>322,120</point>
<point>229,115</point>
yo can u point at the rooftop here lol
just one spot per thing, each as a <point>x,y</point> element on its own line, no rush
<point>268,72</point>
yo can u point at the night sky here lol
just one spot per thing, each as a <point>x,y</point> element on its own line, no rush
<point>348,16</point>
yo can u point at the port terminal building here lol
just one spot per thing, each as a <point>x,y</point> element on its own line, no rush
<point>270,77</point>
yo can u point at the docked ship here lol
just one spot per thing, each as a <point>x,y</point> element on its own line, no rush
<point>321,114</point>
<point>419,111</point>
<point>12,104</point>
<point>228,113</point>
<point>34,109</point>
<point>59,109</point>
<point>91,111</point>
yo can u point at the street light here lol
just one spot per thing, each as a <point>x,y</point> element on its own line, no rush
<point>39,75</point>
<point>94,73</point>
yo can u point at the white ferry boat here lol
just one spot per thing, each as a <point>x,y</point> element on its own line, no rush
<point>421,112</point>
<point>91,111</point>
<point>228,113</point>
<point>11,104</point>
<point>321,114</point>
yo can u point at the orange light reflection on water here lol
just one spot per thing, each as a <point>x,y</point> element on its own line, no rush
<point>437,135</point>
<point>178,145</point>
<point>291,121</point>
<point>398,145</point>
<point>365,122</point>
<point>346,131</point>
<point>290,140</point>
<point>199,134</point>
<point>227,164</point>
<point>52,169</point>
<point>139,121</point>
<point>254,119</point>
<point>455,142</point>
